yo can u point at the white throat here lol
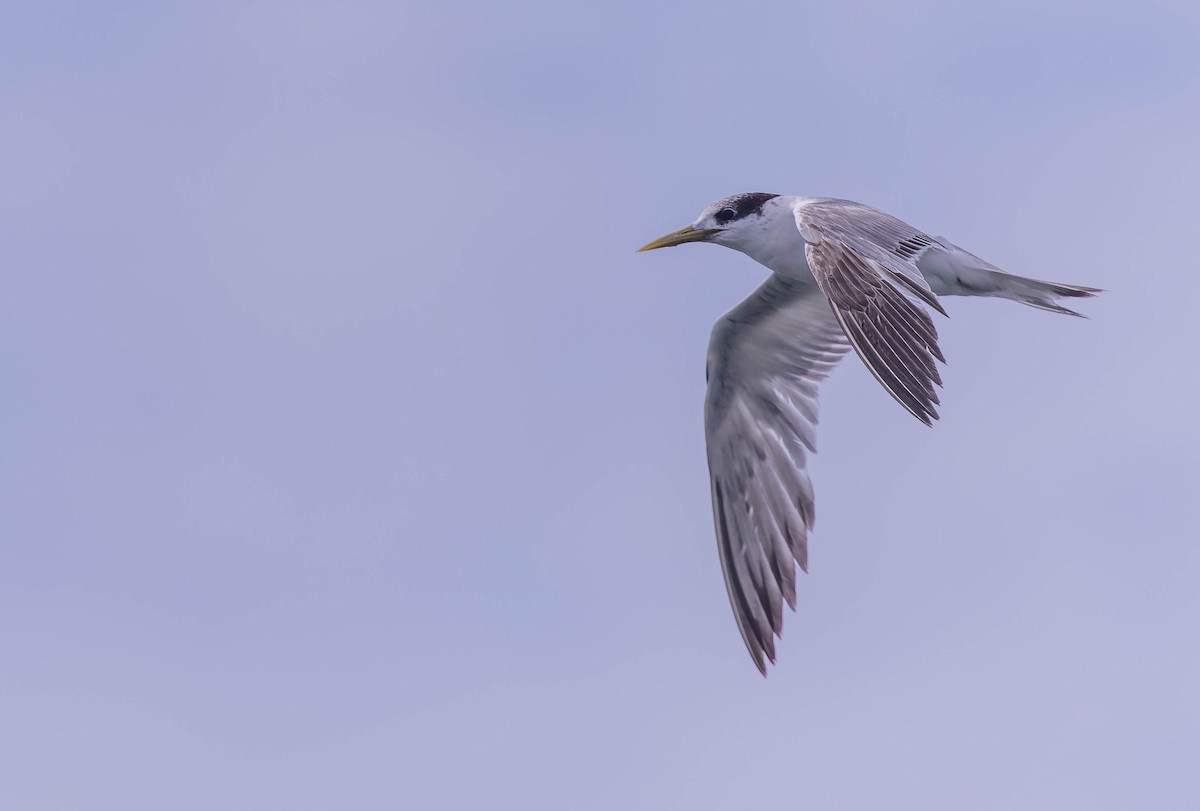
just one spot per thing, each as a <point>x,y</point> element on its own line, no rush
<point>772,239</point>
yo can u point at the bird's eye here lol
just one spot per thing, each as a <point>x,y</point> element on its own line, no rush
<point>725,215</point>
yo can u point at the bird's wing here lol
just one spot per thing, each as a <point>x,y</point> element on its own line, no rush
<point>863,260</point>
<point>766,359</point>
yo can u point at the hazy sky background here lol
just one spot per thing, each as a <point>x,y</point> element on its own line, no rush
<point>350,457</point>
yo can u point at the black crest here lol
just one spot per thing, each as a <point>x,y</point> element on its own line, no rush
<point>741,206</point>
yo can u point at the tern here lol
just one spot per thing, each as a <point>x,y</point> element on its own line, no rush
<point>843,275</point>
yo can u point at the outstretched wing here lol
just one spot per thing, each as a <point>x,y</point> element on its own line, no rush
<point>863,260</point>
<point>766,359</point>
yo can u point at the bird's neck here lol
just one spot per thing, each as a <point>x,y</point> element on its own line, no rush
<point>777,242</point>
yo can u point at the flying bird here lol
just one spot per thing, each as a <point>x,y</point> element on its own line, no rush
<point>843,276</point>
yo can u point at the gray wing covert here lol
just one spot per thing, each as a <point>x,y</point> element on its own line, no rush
<point>766,360</point>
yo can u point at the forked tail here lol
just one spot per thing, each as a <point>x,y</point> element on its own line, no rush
<point>1043,295</point>
<point>951,271</point>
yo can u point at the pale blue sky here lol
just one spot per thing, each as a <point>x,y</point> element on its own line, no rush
<point>351,458</point>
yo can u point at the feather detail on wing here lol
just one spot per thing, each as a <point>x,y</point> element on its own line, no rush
<point>860,263</point>
<point>766,360</point>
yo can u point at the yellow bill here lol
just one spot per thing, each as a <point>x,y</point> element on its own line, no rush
<point>685,234</point>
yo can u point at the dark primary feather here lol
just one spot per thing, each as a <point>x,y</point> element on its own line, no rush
<point>869,288</point>
<point>894,337</point>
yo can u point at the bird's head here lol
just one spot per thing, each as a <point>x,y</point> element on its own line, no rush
<point>733,222</point>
